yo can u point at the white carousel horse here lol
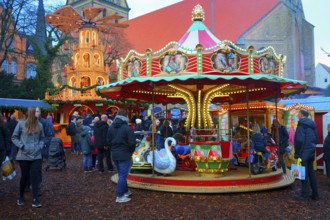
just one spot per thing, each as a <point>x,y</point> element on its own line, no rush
<point>165,162</point>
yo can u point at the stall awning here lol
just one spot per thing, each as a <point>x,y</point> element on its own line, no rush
<point>23,103</point>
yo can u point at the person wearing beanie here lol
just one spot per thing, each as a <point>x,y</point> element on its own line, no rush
<point>260,142</point>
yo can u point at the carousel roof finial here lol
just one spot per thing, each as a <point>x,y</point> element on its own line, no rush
<point>198,13</point>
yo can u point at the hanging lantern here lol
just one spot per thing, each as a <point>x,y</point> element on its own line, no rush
<point>65,70</point>
<point>108,50</point>
<point>66,45</point>
<point>72,63</point>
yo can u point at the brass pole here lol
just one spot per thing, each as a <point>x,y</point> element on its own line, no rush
<point>248,127</point>
<point>277,126</point>
<point>153,130</point>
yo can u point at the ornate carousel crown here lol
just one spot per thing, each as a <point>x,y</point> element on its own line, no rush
<point>198,13</point>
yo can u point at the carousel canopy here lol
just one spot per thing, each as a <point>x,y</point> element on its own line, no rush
<point>165,89</point>
<point>198,33</point>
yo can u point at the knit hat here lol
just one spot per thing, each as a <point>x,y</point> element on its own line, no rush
<point>138,121</point>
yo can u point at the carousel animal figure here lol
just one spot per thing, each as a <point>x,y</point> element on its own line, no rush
<point>165,162</point>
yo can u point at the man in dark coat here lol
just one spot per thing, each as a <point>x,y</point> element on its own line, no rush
<point>11,126</point>
<point>305,141</point>
<point>122,143</point>
<point>47,132</point>
<point>4,139</point>
<point>283,140</point>
<point>100,135</point>
<point>326,149</point>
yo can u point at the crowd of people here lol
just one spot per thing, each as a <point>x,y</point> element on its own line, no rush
<point>112,137</point>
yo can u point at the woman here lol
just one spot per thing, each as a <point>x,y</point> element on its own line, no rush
<point>4,139</point>
<point>29,137</point>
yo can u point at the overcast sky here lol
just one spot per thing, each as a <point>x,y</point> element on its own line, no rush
<point>317,12</point>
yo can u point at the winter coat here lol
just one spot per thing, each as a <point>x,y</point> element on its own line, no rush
<point>283,139</point>
<point>11,126</point>
<point>139,127</point>
<point>166,132</point>
<point>47,131</point>
<point>72,128</point>
<point>100,134</point>
<point>121,139</point>
<point>76,137</point>
<point>4,142</point>
<point>326,148</point>
<point>29,146</point>
<point>259,142</point>
<point>51,127</point>
<point>86,142</point>
<point>305,139</point>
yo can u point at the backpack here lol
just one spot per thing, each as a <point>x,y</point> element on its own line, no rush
<point>70,129</point>
<point>67,129</point>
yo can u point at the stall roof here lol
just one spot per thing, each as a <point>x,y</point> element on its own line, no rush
<point>4,102</point>
<point>320,103</point>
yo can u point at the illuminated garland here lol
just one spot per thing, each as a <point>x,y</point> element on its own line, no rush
<point>56,91</point>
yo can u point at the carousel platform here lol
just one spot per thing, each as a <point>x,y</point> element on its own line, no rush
<point>235,180</point>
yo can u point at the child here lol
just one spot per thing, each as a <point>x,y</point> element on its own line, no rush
<point>86,148</point>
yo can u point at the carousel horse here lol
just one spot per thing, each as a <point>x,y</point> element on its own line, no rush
<point>165,162</point>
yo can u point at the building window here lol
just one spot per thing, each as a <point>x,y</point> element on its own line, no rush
<point>325,80</point>
<point>31,70</point>
<point>5,66</point>
<point>30,48</point>
<point>13,67</point>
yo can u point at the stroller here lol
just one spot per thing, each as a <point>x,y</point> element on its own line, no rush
<point>56,155</point>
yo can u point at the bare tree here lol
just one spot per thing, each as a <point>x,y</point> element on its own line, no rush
<point>16,18</point>
<point>116,47</point>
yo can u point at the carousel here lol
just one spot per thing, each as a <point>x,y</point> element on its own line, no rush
<point>199,70</point>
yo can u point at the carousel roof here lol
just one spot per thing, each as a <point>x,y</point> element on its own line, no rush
<point>260,86</point>
<point>198,33</point>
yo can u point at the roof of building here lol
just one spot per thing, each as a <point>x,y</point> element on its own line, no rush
<point>231,19</point>
<point>325,67</point>
<point>320,103</point>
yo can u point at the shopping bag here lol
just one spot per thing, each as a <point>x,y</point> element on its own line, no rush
<point>298,171</point>
<point>8,170</point>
